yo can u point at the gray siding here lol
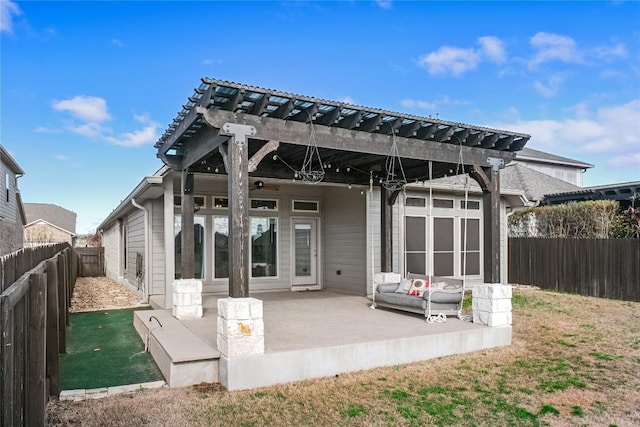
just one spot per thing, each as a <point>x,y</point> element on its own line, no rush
<point>135,244</point>
<point>345,240</point>
<point>111,243</point>
<point>157,283</point>
<point>11,228</point>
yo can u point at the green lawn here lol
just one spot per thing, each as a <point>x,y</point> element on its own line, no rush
<point>104,350</point>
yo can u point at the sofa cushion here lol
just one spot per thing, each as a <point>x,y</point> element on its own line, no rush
<point>402,300</point>
<point>404,286</point>
<point>387,287</point>
<point>445,297</point>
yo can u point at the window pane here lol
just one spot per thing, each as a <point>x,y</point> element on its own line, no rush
<point>264,244</point>
<point>416,236</point>
<point>198,240</point>
<point>443,203</point>
<point>299,205</point>
<point>471,204</point>
<point>443,234</point>
<point>473,234</point>
<point>220,202</point>
<point>197,201</point>
<point>443,264</point>
<point>302,236</point>
<point>221,247</point>
<point>270,205</point>
<point>416,263</point>
<point>416,201</point>
<point>473,263</point>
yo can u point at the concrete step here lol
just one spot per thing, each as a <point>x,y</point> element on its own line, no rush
<point>183,358</point>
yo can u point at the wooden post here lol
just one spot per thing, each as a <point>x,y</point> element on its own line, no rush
<point>489,180</point>
<point>36,396</point>
<point>386,221</point>
<point>238,189</point>
<point>53,334</point>
<point>187,239</point>
<point>62,306</point>
<point>6,362</point>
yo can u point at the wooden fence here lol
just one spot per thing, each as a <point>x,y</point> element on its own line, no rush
<point>91,262</point>
<point>37,285</point>
<point>607,268</point>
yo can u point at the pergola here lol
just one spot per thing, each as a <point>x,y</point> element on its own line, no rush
<point>233,128</point>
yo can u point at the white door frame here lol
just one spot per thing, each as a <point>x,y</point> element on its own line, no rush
<point>300,285</point>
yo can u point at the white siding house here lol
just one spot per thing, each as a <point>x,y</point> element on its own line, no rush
<point>12,216</point>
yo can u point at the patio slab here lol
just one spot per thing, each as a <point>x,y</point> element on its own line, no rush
<point>313,334</point>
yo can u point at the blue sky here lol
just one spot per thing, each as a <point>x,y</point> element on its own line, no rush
<point>88,87</point>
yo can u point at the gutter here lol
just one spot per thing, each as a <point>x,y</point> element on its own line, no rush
<point>145,290</point>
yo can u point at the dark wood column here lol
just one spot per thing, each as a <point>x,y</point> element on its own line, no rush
<point>489,180</point>
<point>238,188</point>
<point>386,222</point>
<point>187,241</point>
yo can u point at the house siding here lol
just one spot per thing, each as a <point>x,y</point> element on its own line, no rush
<point>135,244</point>
<point>11,228</point>
<point>345,240</point>
<point>112,244</point>
<point>42,233</point>
<point>157,284</point>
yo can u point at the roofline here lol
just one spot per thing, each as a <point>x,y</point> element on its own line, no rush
<point>570,162</point>
<point>146,183</point>
<point>596,188</point>
<point>53,225</point>
<point>13,165</point>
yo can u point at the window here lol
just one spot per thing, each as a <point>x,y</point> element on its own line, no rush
<point>220,203</point>
<point>198,201</point>
<point>443,203</point>
<point>264,247</point>
<point>305,206</point>
<point>420,202</point>
<point>443,246</point>
<point>198,240</point>
<point>267,205</point>
<point>472,265</point>
<point>471,204</point>
<point>415,244</point>
<point>7,179</point>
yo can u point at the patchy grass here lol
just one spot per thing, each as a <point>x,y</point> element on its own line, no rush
<point>573,361</point>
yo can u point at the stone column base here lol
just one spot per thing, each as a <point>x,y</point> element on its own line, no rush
<point>240,327</point>
<point>492,304</point>
<point>187,298</point>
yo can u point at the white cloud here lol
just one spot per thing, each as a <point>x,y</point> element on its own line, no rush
<point>8,11</point>
<point>346,100</point>
<point>632,160</point>
<point>91,112</point>
<point>551,87</point>
<point>450,60</point>
<point>415,103</point>
<point>61,157</point>
<point>610,53</point>
<point>553,47</point>
<point>44,129</point>
<point>385,4</point>
<point>493,48</point>
<point>612,132</point>
<point>147,135</point>
<point>117,42</point>
<point>89,108</point>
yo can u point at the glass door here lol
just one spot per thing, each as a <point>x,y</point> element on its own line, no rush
<point>305,251</point>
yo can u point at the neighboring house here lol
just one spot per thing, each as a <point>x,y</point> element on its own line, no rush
<point>12,215</point>
<point>49,223</point>
<point>558,167</point>
<point>626,193</point>
<point>327,235</point>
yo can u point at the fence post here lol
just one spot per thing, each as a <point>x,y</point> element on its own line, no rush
<point>6,362</point>
<point>36,396</point>
<point>53,333</point>
<point>62,306</point>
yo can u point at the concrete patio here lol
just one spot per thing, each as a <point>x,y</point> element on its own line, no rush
<point>308,334</point>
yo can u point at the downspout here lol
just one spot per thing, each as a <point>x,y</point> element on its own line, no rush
<point>145,292</point>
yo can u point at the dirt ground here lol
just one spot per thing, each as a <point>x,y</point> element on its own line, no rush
<point>101,293</point>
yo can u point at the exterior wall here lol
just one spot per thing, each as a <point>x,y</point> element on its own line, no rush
<point>568,174</point>
<point>157,276</point>
<point>345,240</point>
<point>43,233</point>
<point>112,254</point>
<point>11,228</point>
<point>135,244</point>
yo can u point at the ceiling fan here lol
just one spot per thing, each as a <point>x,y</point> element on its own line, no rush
<point>261,185</point>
